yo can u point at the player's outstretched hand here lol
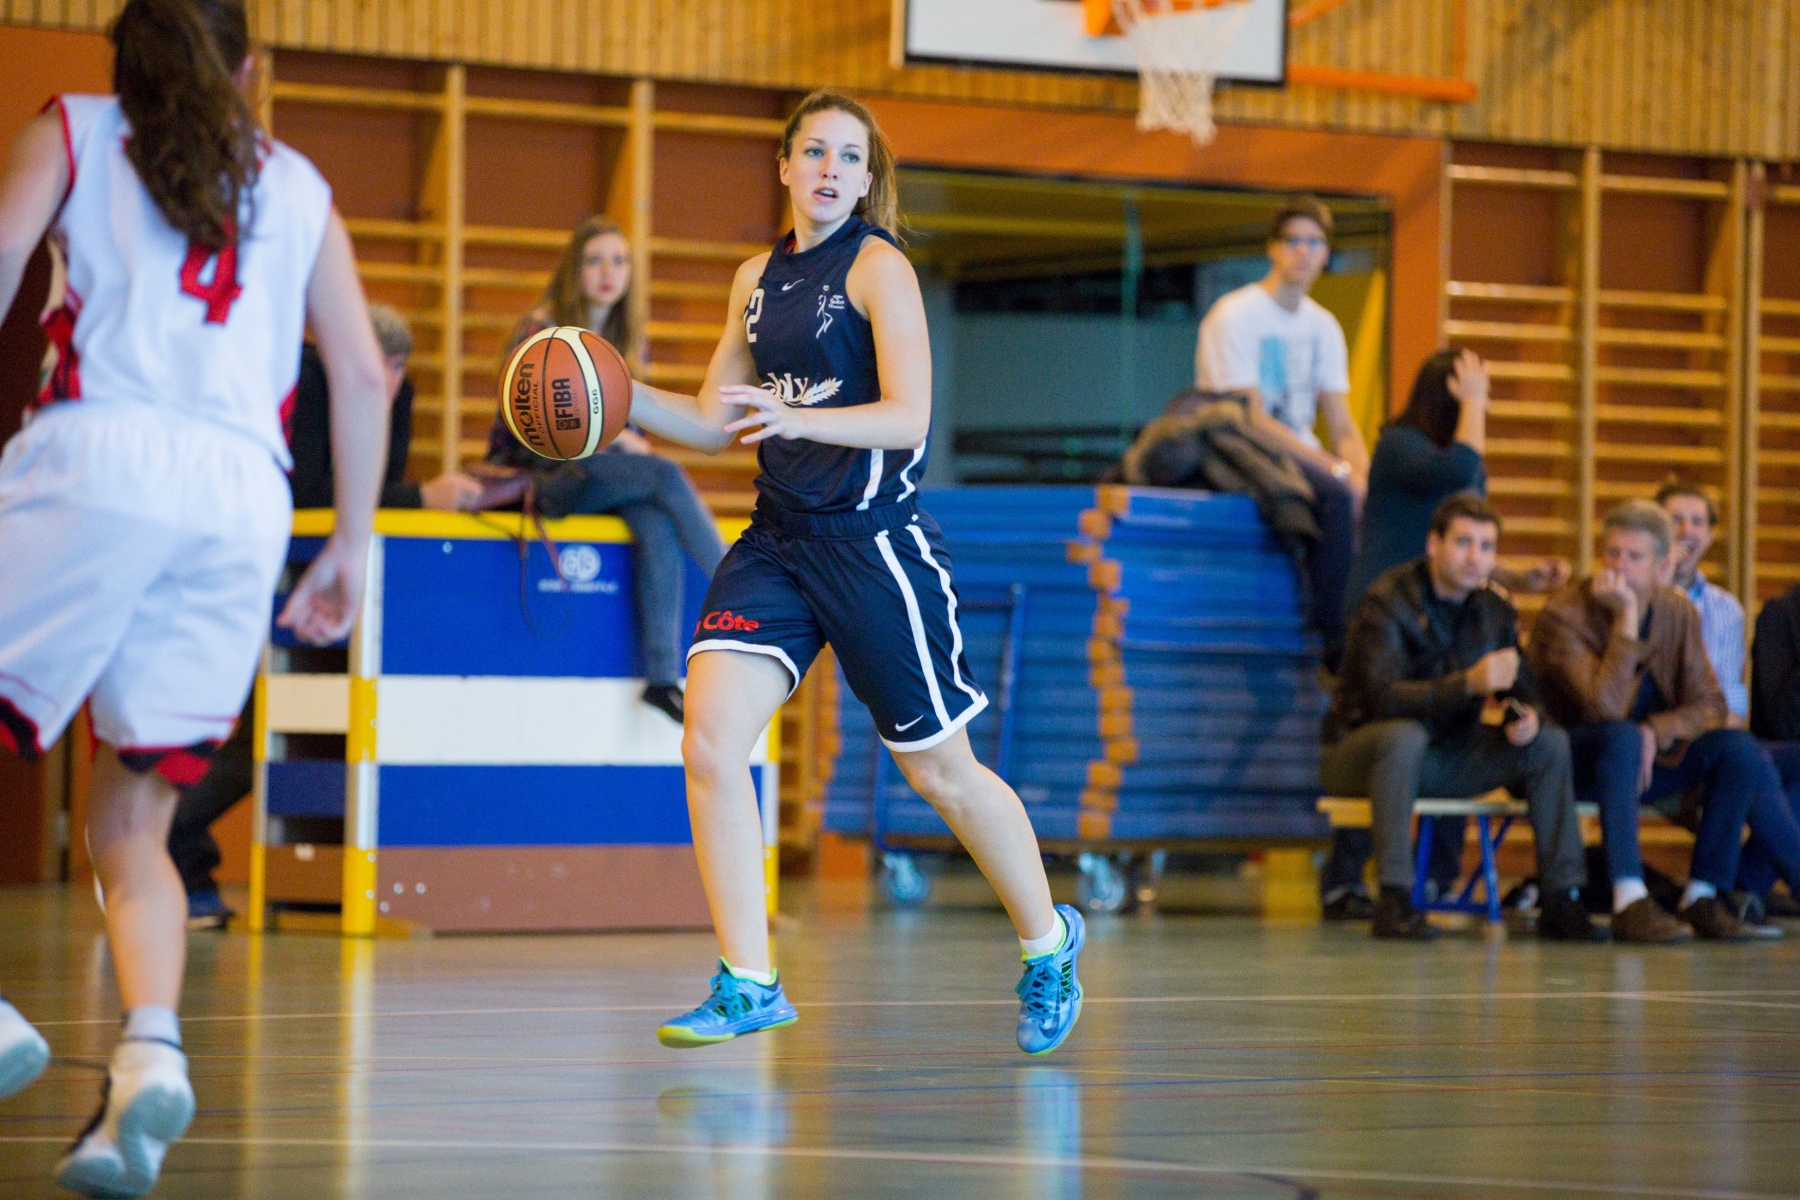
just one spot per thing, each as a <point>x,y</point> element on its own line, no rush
<point>323,604</point>
<point>768,417</point>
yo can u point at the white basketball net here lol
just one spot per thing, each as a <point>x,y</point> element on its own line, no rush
<point>1178,51</point>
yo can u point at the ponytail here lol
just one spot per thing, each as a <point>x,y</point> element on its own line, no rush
<point>193,138</point>
<point>882,205</point>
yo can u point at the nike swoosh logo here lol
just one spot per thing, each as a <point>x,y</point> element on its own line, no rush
<point>788,287</point>
<point>908,725</point>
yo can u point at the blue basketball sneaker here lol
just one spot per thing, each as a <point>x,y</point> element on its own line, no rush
<point>736,1007</point>
<point>1050,992</point>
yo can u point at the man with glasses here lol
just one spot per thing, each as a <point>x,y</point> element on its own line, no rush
<point>1279,347</point>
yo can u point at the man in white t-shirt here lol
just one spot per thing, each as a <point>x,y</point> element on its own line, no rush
<point>1275,344</point>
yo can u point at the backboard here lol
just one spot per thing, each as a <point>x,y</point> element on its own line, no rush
<point>1050,35</point>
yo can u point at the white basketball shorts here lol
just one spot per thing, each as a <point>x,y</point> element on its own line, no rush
<point>139,552</point>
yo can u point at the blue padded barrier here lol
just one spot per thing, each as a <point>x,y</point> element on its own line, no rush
<point>1166,682</point>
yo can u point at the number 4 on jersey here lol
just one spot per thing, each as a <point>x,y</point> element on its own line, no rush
<point>223,288</point>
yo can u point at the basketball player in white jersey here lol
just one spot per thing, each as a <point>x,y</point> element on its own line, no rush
<point>144,516</point>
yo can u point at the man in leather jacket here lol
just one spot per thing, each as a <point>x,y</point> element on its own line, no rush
<point>1435,700</point>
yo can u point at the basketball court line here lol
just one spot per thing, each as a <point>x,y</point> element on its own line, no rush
<point>1727,998</point>
<point>1005,1162</point>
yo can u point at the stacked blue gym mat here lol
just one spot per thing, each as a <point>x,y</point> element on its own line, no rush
<point>1166,686</point>
<point>1214,733</point>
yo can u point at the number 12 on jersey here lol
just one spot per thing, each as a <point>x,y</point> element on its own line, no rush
<point>752,314</point>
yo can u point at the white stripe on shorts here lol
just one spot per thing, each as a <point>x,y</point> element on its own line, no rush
<point>918,627</point>
<point>775,652</point>
<point>956,643</point>
<point>875,457</point>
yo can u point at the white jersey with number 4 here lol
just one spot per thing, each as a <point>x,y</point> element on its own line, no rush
<point>151,318</point>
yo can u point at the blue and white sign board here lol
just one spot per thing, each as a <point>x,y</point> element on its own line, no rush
<point>1050,35</point>
<point>500,693</point>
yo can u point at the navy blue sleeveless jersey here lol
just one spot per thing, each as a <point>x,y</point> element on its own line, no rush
<point>813,348</point>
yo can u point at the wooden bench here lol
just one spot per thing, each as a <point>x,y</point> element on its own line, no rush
<point>1354,812</point>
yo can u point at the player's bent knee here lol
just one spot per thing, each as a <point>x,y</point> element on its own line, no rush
<point>947,775</point>
<point>707,754</point>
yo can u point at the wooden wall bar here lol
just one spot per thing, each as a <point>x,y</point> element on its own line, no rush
<point>1681,76</point>
<point>1617,299</point>
<point>1772,386</point>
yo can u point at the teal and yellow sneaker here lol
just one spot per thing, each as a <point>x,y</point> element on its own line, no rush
<point>1050,992</point>
<point>736,1007</point>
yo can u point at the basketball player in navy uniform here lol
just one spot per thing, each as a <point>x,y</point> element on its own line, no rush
<point>826,369</point>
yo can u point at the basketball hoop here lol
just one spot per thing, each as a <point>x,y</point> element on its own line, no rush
<point>1179,44</point>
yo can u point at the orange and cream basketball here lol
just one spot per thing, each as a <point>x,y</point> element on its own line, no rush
<point>565,393</point>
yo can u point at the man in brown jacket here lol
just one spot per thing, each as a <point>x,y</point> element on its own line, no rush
<point>1622,666</point>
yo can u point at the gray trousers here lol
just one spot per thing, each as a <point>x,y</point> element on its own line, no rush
<point>666,517</point>
<point>1393,763</point>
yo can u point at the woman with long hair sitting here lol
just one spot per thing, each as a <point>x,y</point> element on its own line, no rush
<point>591,288</point>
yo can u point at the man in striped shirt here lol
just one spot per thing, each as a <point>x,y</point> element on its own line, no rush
<point>1693,519</point>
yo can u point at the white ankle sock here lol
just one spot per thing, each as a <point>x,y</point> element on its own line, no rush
<point>1627,892</point>
<point>766,978</point>
<point>152,1022</point>
<point>1697,889</point>
<point>1037,947</point>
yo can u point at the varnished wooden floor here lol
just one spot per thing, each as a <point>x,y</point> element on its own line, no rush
<point>1217,1058</point>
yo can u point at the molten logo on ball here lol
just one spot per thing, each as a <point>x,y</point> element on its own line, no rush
<point>565,393</point>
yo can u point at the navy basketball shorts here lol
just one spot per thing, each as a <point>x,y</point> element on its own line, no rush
<point>876,586</point>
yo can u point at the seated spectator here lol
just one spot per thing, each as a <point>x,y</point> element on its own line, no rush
<point>1692,520</point>
<point>227,781</point>
<point>1622,664</point>
<point>1775,670</point>
<point>1430,452</point>
<point>591,288</point>
<point>1272,342</point>
<point>1431,659</point>
<point>309,430</point>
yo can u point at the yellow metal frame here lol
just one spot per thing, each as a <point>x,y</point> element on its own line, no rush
<point>772,845</point>
<point>257,915</point>
<point>495,526</point>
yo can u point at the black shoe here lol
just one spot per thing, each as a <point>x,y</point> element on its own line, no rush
<point>1523,897</point>
<point>1396,918</point>
<point>667,699</point>
<point>1351,906</point>
<point>1781,904</point>
<point>1563,918</point>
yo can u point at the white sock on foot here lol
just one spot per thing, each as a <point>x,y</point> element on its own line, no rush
<point>1697,889</point>
<point>1627,892</point>
<point>766,978</point>
<point>153,1022</point>
<point>1050,943</point>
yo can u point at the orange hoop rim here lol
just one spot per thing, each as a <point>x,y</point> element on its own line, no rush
<point>1098,19</point>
